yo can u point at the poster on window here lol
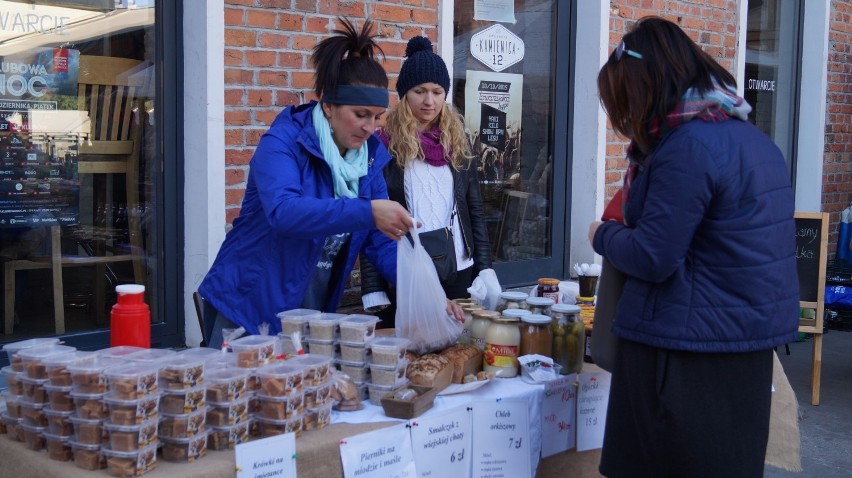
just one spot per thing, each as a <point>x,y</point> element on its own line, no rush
<point>493,118</point>
<point>494,10</point>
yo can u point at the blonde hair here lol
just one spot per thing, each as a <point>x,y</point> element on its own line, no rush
<point>404,146</point>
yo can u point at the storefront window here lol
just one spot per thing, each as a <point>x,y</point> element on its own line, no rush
<point>80,174</point>
<point>504,85</point>
<point>771,70</point>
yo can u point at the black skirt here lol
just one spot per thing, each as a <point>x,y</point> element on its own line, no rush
<point>687,415</point>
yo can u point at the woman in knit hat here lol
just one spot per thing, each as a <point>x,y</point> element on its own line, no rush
<point>432,174</point>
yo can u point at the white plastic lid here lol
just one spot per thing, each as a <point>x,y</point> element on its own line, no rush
<point>387,344</point>
<point>545,301</point>
<point>535,319</point>
<point>129,289</point>
<point>357,320</point>
<point>299,314</point>
<point>566,308</point>
<point>25,344</point>
<point>516,313</point>
<point>513,295</point>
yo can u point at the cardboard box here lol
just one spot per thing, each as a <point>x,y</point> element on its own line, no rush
<point>396,408</point>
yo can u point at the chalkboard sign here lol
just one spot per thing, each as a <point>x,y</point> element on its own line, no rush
<point>811,239</point>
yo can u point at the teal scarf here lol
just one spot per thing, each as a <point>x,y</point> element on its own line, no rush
<point>345,171</point>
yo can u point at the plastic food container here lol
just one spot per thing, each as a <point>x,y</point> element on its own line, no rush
<point>132,380</point>
<point>389,351</point>
<point>317,418</point>
<point>326,326</point>
<point>224,414</point>
<point>357,371</point>
<point>130,463</point>
<point>131,437</point>
<point>182,401</point>
<point>13,405</point>
<point>57,366</point>
<point>270,427</point>
<point>254,350</point>
<point>226,438</point>
<point>88,432</point>
<point>355,352</point>
<point>363,391</point>
<point>132,412</point>
<point>32,414</point>
<point>182,372</point>
<point>158,357</point>
<point>59,398</point>
<point>205,354</point>
<point>392,376</point>
<point>254,403</point>
<point>87,457</point>
<point>185,450</point>
<point>288,348</point>
<point>34,389</point>
<point>281,379</point>
<point>34,436</point>
<point>120,352</point>
<point>326,348</point>
<point>31,358</point>
<point>319,395</point>
<point>226,384</point>
<point>317,368</point>
<point>298,320</point>
<point>58,447</point>
<point>90,406</point>
<point>358,328</point>
<point>88,376</point>
<point>13,379</point>
<point>14,431</point>
<point>377,392</point>
<point>59,423</point>
<point>182,426</point>
<point>15,347</point>
<point>281,408</point>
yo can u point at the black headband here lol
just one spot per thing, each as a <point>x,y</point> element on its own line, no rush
<point>357,96</point>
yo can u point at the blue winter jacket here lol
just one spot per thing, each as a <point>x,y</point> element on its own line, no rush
<point>710,251</point>
<point>269,257</point>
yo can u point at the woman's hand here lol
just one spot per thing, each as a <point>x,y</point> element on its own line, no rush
<point>391,218</point>
<point>455,311</point>
<point>593,228</point>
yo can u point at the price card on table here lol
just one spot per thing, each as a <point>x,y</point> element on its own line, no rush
<point>592,400</point>
<point>501,438</point>
<point>273,456</point>
<point>558,415</point>
<point>383,453</point>
<point>442,444</point>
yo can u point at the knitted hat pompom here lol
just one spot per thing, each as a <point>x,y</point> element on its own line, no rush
<point>421,66</point>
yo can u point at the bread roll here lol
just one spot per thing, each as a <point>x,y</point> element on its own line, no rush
<point>430,370</point>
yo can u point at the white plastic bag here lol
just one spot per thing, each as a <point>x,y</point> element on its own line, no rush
<point>486,289</point>
<point>421,305</point>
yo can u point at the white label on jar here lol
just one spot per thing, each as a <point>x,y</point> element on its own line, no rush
<point>551,295</point>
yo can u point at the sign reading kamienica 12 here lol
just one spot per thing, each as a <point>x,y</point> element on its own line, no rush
<point>497,47</point>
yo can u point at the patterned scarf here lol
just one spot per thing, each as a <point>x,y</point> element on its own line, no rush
<point>345,171</point>
<point>430,143</point>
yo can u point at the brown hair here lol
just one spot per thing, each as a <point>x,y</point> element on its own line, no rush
<point>348,58</point>
<point>638,92</point>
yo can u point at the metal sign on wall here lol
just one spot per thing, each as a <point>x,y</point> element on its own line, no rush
<point>497,47</point>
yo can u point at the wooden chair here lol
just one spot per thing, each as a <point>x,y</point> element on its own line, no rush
<point>107,91</point>
<point>199,312</point>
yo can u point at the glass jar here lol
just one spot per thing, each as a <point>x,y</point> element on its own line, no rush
<point>569,338</point>
<point>511,300</point>
<point>479,326</point>
<point>549,288</point>
<point>536,335</point>
<point>468,310</point>
<point>539,305</point>
<point>587,308</point>
<point>502,344</point>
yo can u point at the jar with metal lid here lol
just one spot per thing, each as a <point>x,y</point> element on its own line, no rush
<point>479,326</point>
<point>540,305</point>
<point>569,338</point>
<point>516,313</point>
<point>536,335</point>
<point>502,344</point>
<point>468,310</point>
<point>548,287</point>
<point>511,300</point>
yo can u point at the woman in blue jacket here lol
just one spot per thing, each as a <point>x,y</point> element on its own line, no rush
<point>315,198</point>
<point>708,249</point>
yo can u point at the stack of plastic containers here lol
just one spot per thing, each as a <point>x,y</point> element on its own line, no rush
<point>183,408</point>
<point>88,388</point>
<point>225,386</point>
<point>325,335</point>
<point>12,418</point>
<point>316,381</point>
<point>299,320</point>
<point>281,398</point>
<point>388,366</point>
<point>356,332</point>
<point>250,353</point>
<point>34,407</point>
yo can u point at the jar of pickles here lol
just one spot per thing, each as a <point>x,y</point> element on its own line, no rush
<point>536,335</point>
<point>569,338</point>
<point>549,288</point>
<point>539,305</point>
<point>511,300</point>
<point>479,326</point>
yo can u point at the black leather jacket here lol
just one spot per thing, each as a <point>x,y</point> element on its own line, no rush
<point>471,218</point>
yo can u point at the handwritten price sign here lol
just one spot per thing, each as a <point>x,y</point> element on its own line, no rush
<point>442,444</point>
<point>383,453</point>
<point>501,445</point>
<point>558,417</point>
<point>592,400</point>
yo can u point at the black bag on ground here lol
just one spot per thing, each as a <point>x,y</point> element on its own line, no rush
<point>604,342</point>
<point>442,249</point>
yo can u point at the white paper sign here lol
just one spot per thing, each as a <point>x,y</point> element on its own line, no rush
<point>558,415</point>
<point>442,444</point>
<point>592,400</point>
<point>267,457</point>
<point>497,47</point>
<point>383,453</point>
<point>494,10</point>
<point>501,444</point>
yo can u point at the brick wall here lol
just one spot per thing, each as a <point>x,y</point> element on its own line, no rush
<point>837,160</point>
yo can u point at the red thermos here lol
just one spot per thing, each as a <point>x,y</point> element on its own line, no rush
<point>130,319</point>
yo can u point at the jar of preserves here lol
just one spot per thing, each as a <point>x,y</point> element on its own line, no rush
<point>536,335</point>
<point>479,326</point>
<point>539,305</point>
<point>587,308</point>
<point>511,300</point>
<point>569,338</point>
<point>468,310</point>
<point>548,287</point>
<point>502,344</point>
